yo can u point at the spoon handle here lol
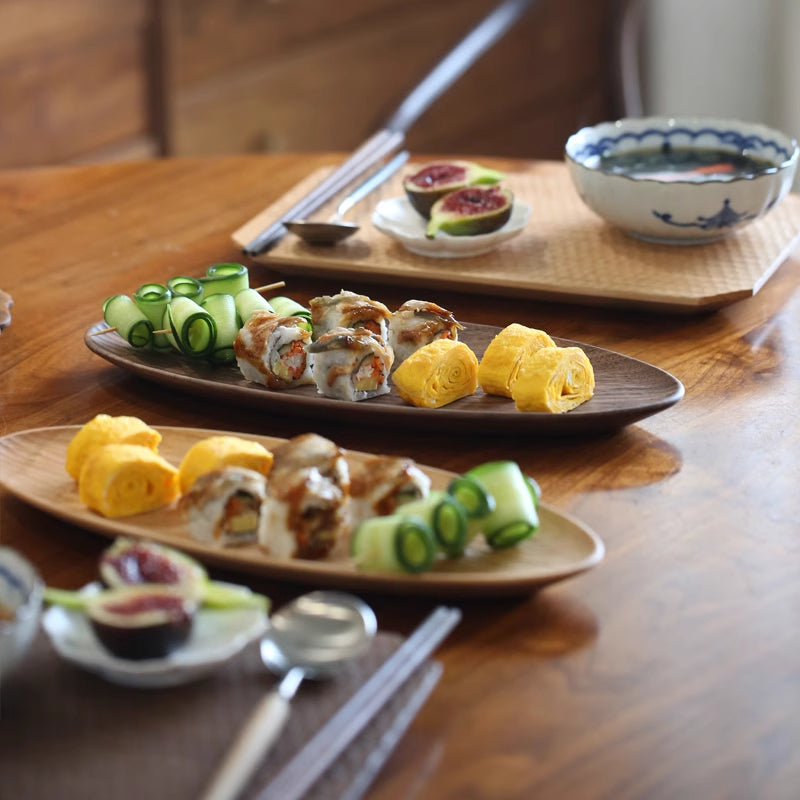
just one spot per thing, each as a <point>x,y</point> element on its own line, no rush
<point>254,740</point>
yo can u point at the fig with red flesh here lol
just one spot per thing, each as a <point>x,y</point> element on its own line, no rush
<point>471,211</point>
<point>129,562</point>
<point>434,181</point>
<point>132,562</point>
<point>141,622</point>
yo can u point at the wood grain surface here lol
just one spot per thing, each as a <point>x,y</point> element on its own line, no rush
<point>671,670</point>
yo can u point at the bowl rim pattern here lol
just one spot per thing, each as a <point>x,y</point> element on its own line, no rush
<point>584,144</point>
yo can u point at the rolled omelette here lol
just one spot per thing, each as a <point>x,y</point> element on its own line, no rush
<point>554,379</point>
<point>506,353</point>
<point>117,480</point>
<point>217,452</point>
<point>437,374</point>
<point>104,429</point>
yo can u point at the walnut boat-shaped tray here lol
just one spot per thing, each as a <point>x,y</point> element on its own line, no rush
<point>33,469</point>
<point>626,390</point>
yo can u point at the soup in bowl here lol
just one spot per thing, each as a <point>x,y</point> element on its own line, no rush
<point>681,180</point>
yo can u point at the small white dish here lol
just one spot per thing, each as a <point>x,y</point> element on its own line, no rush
<point>397,218</point>
<point>217,636</point>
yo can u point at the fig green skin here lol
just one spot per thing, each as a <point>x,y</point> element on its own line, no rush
<point>457,224</point>
<point>423,198</point>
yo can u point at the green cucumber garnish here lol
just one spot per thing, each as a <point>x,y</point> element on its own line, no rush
<point>132,324</point>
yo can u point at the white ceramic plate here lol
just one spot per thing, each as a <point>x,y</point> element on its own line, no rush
<point>217,636</point>
<point>397,218</point>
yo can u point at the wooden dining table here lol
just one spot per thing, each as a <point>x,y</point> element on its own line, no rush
<point>669,670</point>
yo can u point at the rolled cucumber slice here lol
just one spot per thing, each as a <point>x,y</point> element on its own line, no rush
<point>446,518</point>
<point>192,329</point>
<point>472,495</point>
<point>248,301</point>
<point>152,299</point>
<point>223,311</point>
<point>121,312</point>
<point>184,286</point>
<point>515,516</point>
<point>225,279</point>
<point>286,307</point>
<point>395,543</point>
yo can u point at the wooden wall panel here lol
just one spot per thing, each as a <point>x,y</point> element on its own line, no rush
<point>549,75</point>
<point>88,80</point>
<point>73,79</point>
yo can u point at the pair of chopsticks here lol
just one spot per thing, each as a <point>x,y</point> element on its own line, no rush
<point>392,135</point>
<point>333,738</point>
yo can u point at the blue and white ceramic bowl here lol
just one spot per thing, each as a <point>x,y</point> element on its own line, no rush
<point>681,180</point>
<point>21,591</point>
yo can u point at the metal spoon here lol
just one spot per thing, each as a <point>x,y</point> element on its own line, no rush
<point>337,229</point>
<point>310,637</point>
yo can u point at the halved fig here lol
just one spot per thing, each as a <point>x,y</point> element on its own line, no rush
<point>140,622</point>
<point>129,562</point>
<point>471,211</point>
<point>434,181</point>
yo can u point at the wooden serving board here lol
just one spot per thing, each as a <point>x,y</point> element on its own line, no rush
<point>566,252</point>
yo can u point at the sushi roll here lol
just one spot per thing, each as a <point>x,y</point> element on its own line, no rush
<point>272,350</point>
<point>222,450</point>
<point>349,310</point>
<point>380,485</point>
<point>417,323</point>
<point>351,364</point>
<point>307,494</point>
<point>225,507</point>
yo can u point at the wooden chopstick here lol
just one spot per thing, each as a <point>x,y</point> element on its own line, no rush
<point>377,147</point>
<point>330,741</point>
<point>392,135</point>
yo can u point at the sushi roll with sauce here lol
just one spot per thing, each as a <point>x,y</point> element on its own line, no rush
<point>351,364</point>
<point>307,494</point>
<point>272,350</point>
<point>417,323</point>
<point>225,507</point>
<point>380,485</point>
<point>349,310</point>
<point>222,450</point>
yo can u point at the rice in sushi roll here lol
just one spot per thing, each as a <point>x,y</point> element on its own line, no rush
<point>226,506</point>
<point>349,310</point>
<point>272,350</point>
<point>381,484</point>
<point>417,323</point>
<point>307,494</point>
<point>351,364</point>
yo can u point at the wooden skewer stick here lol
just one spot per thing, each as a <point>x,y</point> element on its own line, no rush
<point>268,287</point>
<point>111,330</point>
<point>276,285</point>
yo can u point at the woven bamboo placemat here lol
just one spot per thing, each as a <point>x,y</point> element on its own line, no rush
<point>566,253</point>
<point>68,734</point>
